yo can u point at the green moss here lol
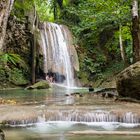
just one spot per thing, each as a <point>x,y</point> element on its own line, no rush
<point>40,85</point>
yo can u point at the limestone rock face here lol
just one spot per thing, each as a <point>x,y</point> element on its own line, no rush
<point>71,47</point>
<point>40,85</point>
<point>17,38</point>
<point>128,82</point>
<point>5,9</point>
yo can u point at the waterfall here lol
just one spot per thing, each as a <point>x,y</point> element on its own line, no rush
<point>57,48</point>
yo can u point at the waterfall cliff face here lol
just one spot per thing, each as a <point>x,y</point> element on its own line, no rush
<point>60,56</point>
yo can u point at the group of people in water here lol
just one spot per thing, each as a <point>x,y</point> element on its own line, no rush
<point>50,79</point>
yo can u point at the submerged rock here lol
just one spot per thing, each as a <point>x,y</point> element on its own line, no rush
<point>128,82</point>
<point>91,88</point>
<point>106,93</point>
<point>2,136</point>
<point>40,85</point>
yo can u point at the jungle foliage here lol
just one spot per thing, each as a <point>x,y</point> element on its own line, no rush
<point>95,25</point>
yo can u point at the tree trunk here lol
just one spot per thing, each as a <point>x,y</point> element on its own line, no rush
<point>121,44</point>
<point>55,10</point>
<point>122,49</point>
<point>5,9</point>
<point>35,24</point>
<point>135,31</point>
<point>33,59</point>
<point>32,25</point>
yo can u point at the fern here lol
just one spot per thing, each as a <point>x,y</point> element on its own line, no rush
<point>14,59</point>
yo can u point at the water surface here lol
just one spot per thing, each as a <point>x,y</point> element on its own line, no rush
<point>34,104</point>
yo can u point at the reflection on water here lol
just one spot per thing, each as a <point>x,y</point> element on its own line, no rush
<point>44,96</point>
<point>33,96</point>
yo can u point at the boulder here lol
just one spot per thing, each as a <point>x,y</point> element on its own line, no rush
<point>40,85</point>
<point>128,82</point>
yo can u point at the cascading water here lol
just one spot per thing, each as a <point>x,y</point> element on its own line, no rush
<point>56,42</point>
<point>76,116</point>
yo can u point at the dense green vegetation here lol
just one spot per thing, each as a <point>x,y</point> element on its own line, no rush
<point>97,26</point>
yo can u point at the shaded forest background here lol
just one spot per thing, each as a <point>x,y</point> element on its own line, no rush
<point>106,36</point>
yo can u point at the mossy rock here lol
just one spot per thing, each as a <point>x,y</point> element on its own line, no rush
<point>40,85</point>
<point>128,82</point>
<point>17,77</point>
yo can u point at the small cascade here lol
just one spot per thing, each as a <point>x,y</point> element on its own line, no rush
<point>21,122</point>
<point>130,117</point>
<point>77,116</point>
<point>59,53</point>
<point>41,119</point>
<point>95,116</point>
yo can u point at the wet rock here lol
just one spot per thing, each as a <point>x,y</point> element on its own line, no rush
<point>91,88</point>
<point>127,99</point>
<point>17,38</point>
<point>68,94</point>
<point>40,85</point>
<point>2,136</point>
<point>76,94</point>
<point>128,82</point>
<point>106,93</point>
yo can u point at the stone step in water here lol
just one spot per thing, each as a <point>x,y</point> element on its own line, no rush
<point>78,116</point>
